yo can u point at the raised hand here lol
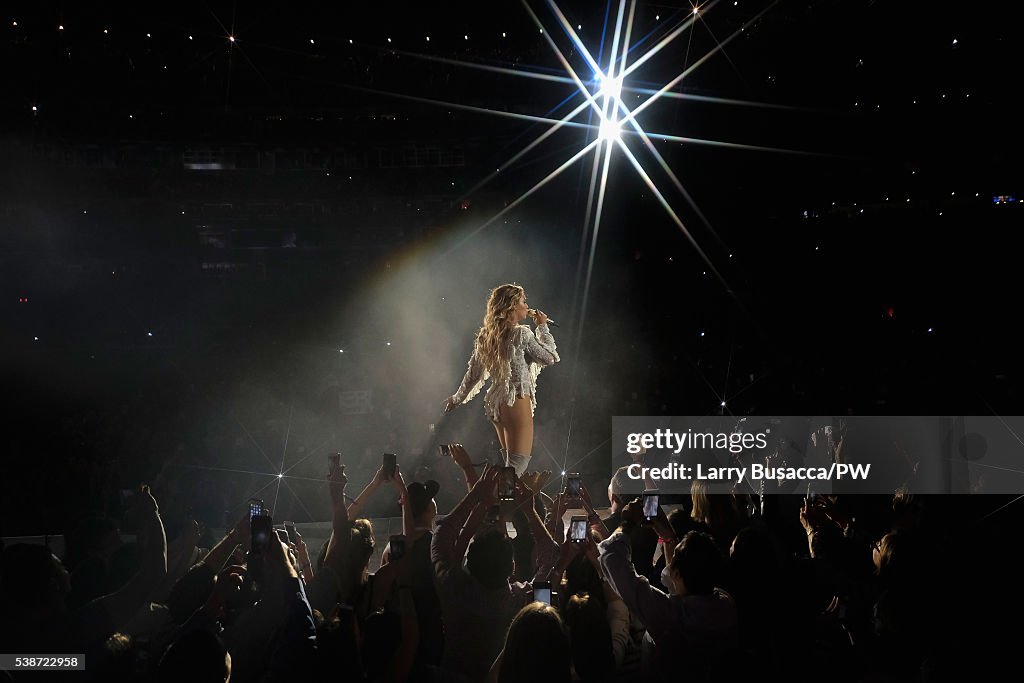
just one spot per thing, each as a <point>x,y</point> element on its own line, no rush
<point>569,551</point>
<point>460,455</point>
<point>142,509</point>
<point>813,516</point>
<point>228,583</point>
<point>661,525</point>
<point>535,481</point>
<point>337,482</point>
<point>633,512</point>
<point>398,480</point>
<point>486,487</point>
<point>276,560</point>
<point>522,493</point>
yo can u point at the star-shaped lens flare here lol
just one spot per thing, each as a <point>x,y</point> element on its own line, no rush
<point>616,118</point>
<point>608,115</point>
<point>611,119</point>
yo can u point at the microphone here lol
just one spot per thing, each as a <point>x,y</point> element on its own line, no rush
<point>533,311</point>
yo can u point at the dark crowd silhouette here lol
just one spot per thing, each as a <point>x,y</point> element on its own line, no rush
<point>512,585</point>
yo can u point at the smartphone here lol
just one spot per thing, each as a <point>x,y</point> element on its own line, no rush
<point>578,529</point>
<point>507,483</point>
<point>397,544</point>
<point>390,461</point>
<point>542,592</point>
<point>572,484</point>
<point>289,527</point>
<point>650,505</point>
<point>261,529</point>
<point>256,508</point>
<point>334,461</point>
<point>493,514</point>
<point>444,450</point>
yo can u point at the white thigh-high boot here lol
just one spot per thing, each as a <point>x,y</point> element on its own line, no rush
<point>519,461</point>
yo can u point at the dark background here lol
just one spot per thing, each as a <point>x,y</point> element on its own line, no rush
<point>193,230</point>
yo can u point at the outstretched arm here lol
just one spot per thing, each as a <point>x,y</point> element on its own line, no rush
<point>471,384</point>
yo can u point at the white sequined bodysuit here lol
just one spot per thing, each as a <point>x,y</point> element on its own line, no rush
<point>529,353</point>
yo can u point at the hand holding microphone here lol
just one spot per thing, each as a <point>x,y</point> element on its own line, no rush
<point>540,318</point>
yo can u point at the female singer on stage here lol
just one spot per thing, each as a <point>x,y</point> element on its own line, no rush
<point>511,355</point>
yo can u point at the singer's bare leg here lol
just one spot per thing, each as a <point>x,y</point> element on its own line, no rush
<point>515,431</point>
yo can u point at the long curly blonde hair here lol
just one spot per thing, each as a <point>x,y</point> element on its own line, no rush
<point>495,335</point>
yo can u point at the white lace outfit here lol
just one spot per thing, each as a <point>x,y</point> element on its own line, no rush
<point>528,353</point>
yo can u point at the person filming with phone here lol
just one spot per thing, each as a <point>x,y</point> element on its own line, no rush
<point>698,621</point>
<point>478,597</point>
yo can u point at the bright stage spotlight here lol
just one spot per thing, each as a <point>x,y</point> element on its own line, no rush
<point>609,131</point>
<point>610,87</point>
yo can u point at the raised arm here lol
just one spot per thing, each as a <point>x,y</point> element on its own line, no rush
<point>327,585</point>
<point>593,519</point>
<point>221,553</point>
<point>122,603</point>
<point>666,535</point>
<point>556,528</point>
<point>567,553</point>
<point>462,459</point>
<point>341,532</point>
<point>650,605</point>
<point>540,347</point>
<point>473,524</point>
<point>545,550</point>
<point>443,545</point>
<point>179,556</point>
<point>293,651</point>
<point>408,521</point>
<point>302,553</point>
<point>364,495</point>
